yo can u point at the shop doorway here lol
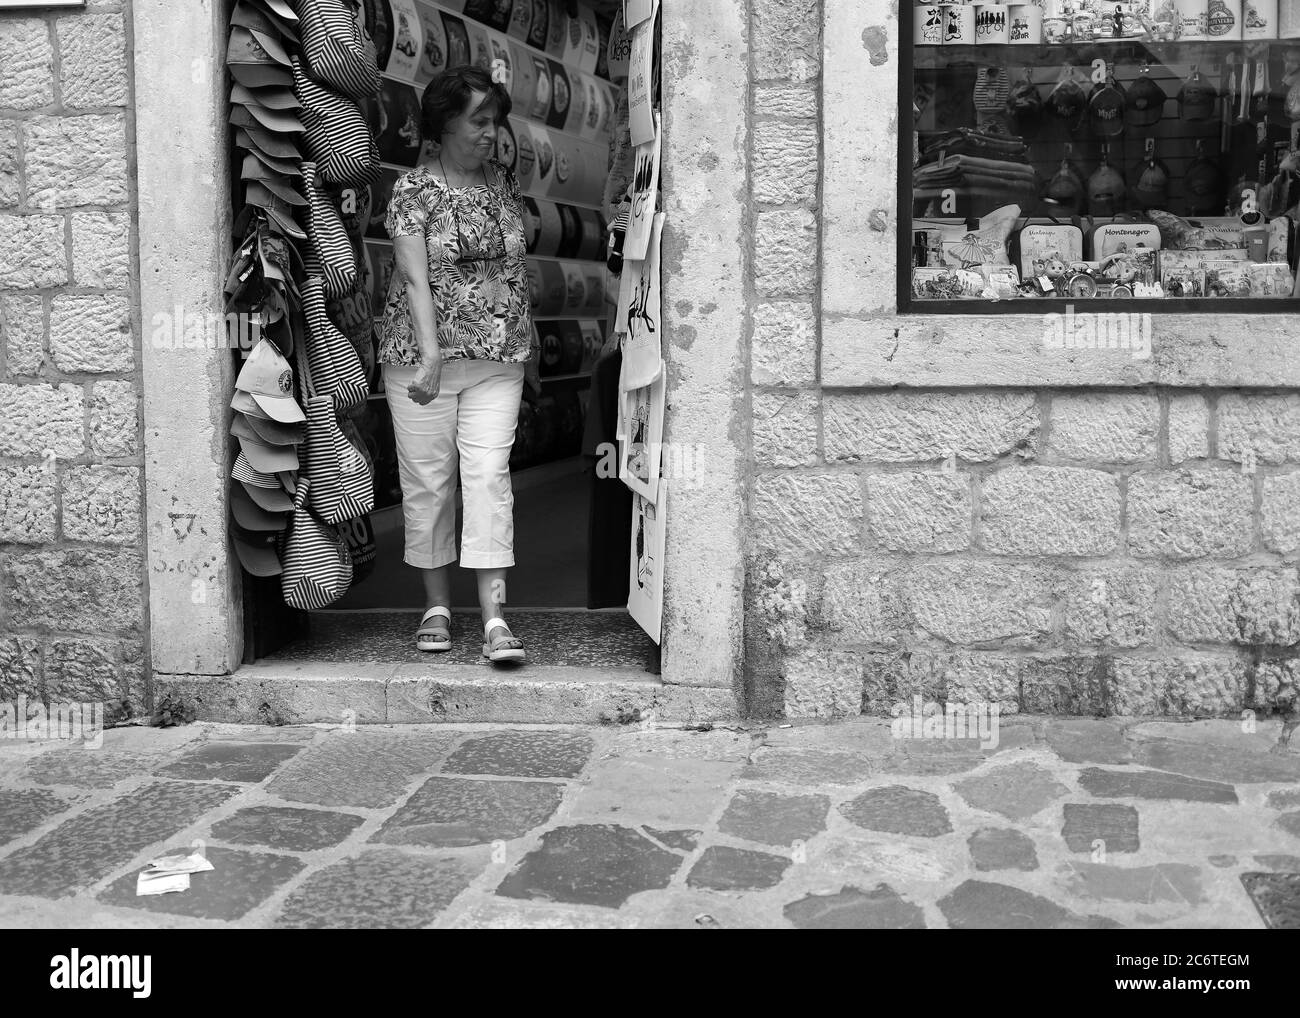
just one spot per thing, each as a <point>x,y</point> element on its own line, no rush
<point>572,541</point>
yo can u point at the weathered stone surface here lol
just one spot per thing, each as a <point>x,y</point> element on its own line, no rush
<point>40,417</point>
<point>1267,426</point>
<point>1116,827</point>
<point>899,427</point>
<point>1283,798</point>
<point>1016,791</point>
<point>453,812</point>
<point>774,819</point>
<point>980,905</point>
<point>863,601</point>
<point>1186,684</point>
<point>850,908</point>
<point>822,683</point>
<point>807,512</point>
<point>23,810</point>
<point>1189,428</point>
<point>22,324</point>
<point>284,827</point>
<point>92,60</point>
<point>231,761</point>
<point>91,333</point>
<point>1105,427</point>
<point>102,504</point>
<point>101,252</point>
<point>976,602</point>
<point>1163,882</point>
<point>521,754</point>
<point>1279,518</point>
<point>795,101</point>
<point>359,769</point>
<point>926,512</point>
<point>33,255</point>
<point>26,64</point>
<point>914,762</point>
<point>9,185</point>
<point>378,889</point>
<point>591,864</point>
<point>60,589</point>
<point>785,429</point>
<point>784,349</point>
<point>807,767</point>
<point>114,411</point>
<point>1222,861</point>
<point>1113,606</point>
<point>785,163</point>
<point>649,789</point>
<point>1216,604</point>
<point>1092,741</point>
<point>90,672</point>
<point>80,769</point>
<point>683,841</point>
<point>993,848</point>
<point>787,41</point>
<point>785,253</point>
<point>238,882</point>
<point>1275,896</point>
<point>898,810</point>
<point>1289,822</point>
<point>1286,863</point>
<point>20,667</point>
<point>28,509</point>
<point>1217,763</point>
<point>76,161</point>
<point>723,868</point>
<point>1050,511</point>
<point>1153,785</point>
<point>1189,513</point>
<point>92,844</point>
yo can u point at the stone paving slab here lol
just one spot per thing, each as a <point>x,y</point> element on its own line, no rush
<point>1064,823</point>
<point>238,882</point>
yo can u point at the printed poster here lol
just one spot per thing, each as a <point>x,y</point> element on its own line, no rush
<point>640,82</point>
<point>639,317</point>
<point>639,11</point>
<point>639,453</point>
<point>645,192</point>
<point>645,597</point>
<point>408,41</point>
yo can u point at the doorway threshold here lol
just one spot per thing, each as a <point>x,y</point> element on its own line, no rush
<point>584,667</point>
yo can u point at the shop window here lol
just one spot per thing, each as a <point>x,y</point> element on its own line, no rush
<point>1077,149</point>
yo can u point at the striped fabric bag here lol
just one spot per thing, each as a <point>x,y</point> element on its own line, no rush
<point>336,370</point>
<point>343,486</point>
<point>339,53</point>
<point>329,252</point>
<point>317,564</point>
<point>336,136</point>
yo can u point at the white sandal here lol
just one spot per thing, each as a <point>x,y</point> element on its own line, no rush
<point>503,648</point>
<point>434,638</point>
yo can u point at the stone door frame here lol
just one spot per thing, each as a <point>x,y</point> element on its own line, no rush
<point>195,602</point>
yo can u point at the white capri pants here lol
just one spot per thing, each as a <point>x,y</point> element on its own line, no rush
<point>471,423</point>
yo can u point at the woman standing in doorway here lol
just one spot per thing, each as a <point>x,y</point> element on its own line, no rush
<point>454,342</point>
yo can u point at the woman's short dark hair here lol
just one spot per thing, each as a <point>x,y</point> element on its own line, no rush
<point>447,96</point>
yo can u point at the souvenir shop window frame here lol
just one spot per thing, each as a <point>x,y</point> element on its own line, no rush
<point>913,307</point>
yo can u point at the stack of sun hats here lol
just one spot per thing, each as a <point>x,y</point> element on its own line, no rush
<point>263,281</point>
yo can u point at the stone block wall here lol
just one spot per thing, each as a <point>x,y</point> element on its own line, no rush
<point>72,600</point>
<point>1055,549</point>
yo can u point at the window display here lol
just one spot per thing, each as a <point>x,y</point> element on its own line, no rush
<point>1065,149</point>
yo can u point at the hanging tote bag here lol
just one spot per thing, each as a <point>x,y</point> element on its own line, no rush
<point>339,53</point>
<point>317,564</point>
<point>329,253</point>
<point>336,136</point>
<point>343,487</point>
<point>336,368</point>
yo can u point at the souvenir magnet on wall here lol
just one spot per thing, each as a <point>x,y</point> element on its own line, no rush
<point>541,105</point>
<point>399,135</point>
<point>589,55</point>
<point>479,46</point>
<point>526,162</point>
<point>557,32</point>
<point>540,23</point>
<point>559,109</point>
<point>524,84</point>
<point>645,187</point>
<point>521,20</point>
<point>551,231</point>
<point>458,52</point>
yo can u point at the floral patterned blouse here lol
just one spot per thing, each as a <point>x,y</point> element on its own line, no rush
<point>477,269</point>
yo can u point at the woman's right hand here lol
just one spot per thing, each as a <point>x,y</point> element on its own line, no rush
<point>428,380</point>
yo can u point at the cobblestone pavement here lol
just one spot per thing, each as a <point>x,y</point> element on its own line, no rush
<point>1065,823</point>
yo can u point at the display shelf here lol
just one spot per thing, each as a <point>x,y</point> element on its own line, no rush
<point>576,376</point>
<point>1126,51</point>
